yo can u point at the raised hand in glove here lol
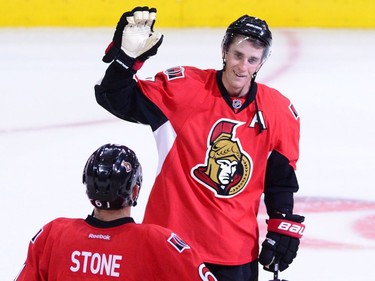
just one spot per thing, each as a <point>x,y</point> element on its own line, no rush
<point>282,241</point>
<point>134,40</point>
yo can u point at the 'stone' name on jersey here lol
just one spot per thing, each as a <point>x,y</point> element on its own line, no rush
<point>95,263</point>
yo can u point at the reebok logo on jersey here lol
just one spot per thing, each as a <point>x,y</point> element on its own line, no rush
<point>178,243</point>
<point>100,236</point>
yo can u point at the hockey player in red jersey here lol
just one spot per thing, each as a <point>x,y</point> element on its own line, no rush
<point>223,141</point>
<point>109,245</point>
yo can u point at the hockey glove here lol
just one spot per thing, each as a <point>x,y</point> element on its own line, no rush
<point>282,241</point>
<point>134,40</point>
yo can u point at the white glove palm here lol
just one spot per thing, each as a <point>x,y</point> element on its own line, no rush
<point>134,40</point>
<point>138,36</point>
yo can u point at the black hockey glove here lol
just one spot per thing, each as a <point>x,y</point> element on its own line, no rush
<point>282,241</point>
<point>134,40</point>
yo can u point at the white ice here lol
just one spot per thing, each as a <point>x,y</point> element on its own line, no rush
<point>50,124</point>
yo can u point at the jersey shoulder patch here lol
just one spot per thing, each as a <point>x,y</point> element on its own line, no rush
<point>175,72</point>
<point>294,111</point>
<point>179,244</point>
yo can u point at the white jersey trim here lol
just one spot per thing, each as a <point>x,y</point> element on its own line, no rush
<point>165,137</point>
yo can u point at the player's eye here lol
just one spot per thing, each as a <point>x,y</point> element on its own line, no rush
<point>238,56</point>
<point>253,60</point>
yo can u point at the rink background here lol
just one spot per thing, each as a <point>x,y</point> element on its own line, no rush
<point>50,124</point>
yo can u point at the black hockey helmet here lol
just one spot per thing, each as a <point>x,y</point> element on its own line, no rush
<point>110,175</point>
<point>250,27</point>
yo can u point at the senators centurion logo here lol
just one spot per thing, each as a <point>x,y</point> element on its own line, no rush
<point>227,168</point>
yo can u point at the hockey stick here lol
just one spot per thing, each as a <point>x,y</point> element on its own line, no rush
<point>276,272</point>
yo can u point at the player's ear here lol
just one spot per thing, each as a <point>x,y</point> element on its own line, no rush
<point>135,194</point>
<point>223,54</point>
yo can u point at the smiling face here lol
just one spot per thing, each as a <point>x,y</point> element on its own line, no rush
<point>242,59</point>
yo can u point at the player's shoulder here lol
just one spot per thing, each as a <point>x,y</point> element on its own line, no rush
<point>272,97</point>
<point>165,238</point>
<point>177,73</point>
<point>64,220</point>
<point>153,229</point>
<point>157,231</point>
<point>64,223</point>
<point>275,101</point>
<point>270,92</point>
<point>55,227</point>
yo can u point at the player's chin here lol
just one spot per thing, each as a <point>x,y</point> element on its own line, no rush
<point>240,80</point>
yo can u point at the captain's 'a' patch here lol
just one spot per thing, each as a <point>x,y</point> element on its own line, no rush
<point>178,243</point>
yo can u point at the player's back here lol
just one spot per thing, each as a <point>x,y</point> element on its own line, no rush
<point>77,249</point>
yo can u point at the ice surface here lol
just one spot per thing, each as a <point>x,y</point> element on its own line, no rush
<point>50,124</point>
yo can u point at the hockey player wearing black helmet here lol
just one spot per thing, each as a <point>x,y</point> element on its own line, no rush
<point>103,246</point>
<point>113,177</point>
<point>224,140</point>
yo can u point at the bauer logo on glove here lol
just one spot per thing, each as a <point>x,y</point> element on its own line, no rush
<point>282,241</point>
<point>288,228</point>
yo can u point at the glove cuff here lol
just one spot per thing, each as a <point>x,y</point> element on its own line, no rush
<point>286,227</point>
<point>125,61</point>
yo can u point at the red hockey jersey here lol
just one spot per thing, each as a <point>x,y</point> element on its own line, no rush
<point>75,249</point>
<point>212,156</point>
